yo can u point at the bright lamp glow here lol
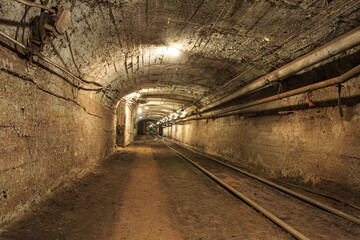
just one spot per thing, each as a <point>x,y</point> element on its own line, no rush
<point>133,95</point>
<point>172,51</point>
<point>139,110</point>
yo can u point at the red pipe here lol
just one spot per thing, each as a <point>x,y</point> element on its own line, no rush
<point>144,128</point>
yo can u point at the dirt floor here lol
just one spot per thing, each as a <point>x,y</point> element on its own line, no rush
<point>144,191</point>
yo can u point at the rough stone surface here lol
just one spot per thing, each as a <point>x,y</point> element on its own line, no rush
<point>125,122</point>
<point>50,133</point>
<point>130,131</point>
<point>314,147</point>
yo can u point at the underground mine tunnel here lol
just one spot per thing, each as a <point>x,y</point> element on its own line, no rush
<point>169,119</point>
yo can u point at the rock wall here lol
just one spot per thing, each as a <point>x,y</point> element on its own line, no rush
<point>130,124</point>
<point>50,131</point>
<point>312,146</point>
<point>125,131</point>
<point>120,125</point>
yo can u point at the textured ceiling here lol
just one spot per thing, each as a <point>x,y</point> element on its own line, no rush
<point>223,44</point>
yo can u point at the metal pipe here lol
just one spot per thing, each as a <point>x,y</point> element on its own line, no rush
<point>332,48</point>
<point>49,61</point>
<point>71,52</point>
<point>38,5</point>
<point>253,204</point>
<point>12,40</point>
<point>339,100</point>
<point>327,83</point>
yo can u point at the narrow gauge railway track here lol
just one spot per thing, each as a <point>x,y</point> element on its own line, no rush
<point>302,218</point>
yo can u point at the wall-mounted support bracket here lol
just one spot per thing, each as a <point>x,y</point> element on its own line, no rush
<point>339,99</point>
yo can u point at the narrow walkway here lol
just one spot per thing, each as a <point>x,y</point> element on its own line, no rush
<point>143,192</point>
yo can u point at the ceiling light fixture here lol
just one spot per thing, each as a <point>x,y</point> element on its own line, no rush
<point>173,51</point>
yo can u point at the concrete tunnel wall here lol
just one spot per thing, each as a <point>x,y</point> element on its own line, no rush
<point>50,133</point>
<point>314,147</point>
<point>125,120</point>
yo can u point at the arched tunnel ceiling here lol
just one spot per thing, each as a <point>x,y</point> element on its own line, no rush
<point>157,108</point>
<point>122,44</point>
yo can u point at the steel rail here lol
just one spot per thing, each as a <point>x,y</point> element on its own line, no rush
<point>319,194</point>
<point>286,190</point>
<point>253,204</point>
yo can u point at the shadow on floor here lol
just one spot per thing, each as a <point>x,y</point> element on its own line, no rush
<point>69,215</point>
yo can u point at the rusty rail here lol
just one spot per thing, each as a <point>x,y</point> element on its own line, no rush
<point>286,190</point>
<point>259,208</point>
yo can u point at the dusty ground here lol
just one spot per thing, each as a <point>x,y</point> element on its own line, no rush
<point>143,192</point>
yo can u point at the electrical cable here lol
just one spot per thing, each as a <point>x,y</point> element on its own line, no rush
<point>34,4</point>
<point>53,64</point>
<point>183,28</point>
